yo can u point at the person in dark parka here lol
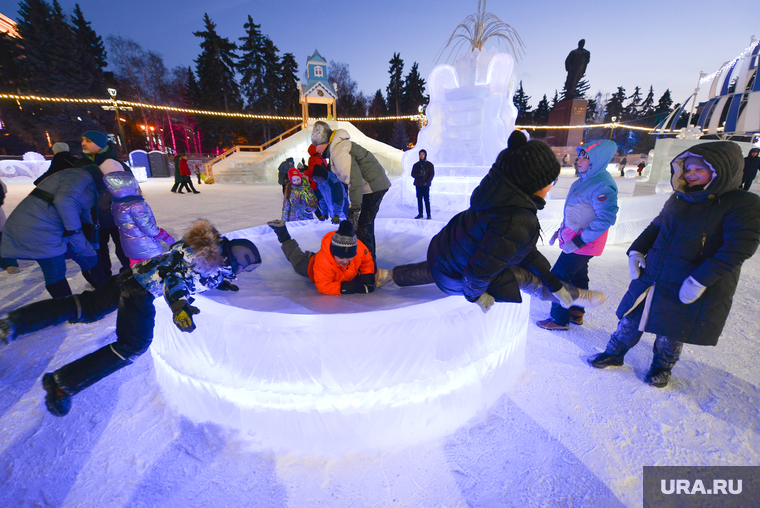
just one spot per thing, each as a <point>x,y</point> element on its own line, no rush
<point>61,160</point>
<point>423,173</point>
<point>685,265</point>
<point>488,252</point>
<point>751,166</point>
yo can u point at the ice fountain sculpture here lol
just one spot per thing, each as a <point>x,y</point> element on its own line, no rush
<point>294,370</point>
<point>470,118</point>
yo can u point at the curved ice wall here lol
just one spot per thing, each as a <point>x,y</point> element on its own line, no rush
<point>470,118</point>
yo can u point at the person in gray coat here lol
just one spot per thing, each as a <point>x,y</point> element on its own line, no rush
<point>47,227</point>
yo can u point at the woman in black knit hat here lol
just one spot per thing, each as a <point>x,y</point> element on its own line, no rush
<point>488,252</point>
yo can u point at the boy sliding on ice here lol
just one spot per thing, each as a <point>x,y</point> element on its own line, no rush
<point>343,265</point>
<point>202,260</point>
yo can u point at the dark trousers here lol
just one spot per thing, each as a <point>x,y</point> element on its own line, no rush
<point>187,184</point>
<point>297,258</point>
<point>746,184</point>
<point>666,351</point>
<point>571,268</point>
<point>366,230</point>
<point>423,194</point>
<point>134,327</point>
<point>6,262</point>
<point>177,182</point>
<point>104,257</point>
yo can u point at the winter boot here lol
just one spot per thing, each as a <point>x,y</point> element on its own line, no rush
<point>576,317</point>
<point>7,334</point>
<point>57,401</point>
<point>13,270</point>
<point>550,324</point>
<point>383,277</point>
<point>611,357</point>
<point>586,298</point>
<point>59,289</point>
<point>657,377</point>
<point>280,229</point>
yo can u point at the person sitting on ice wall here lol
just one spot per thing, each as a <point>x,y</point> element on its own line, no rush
<point>140,235</point>
<point>685,265</point>
<point>488,252</point>
<point>202,260</point>
<point>590,211</point>
<point>343,266</point>
<point>361,172</point>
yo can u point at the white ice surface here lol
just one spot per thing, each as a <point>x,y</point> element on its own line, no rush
<point>298,371</point>
<point>563,435</point>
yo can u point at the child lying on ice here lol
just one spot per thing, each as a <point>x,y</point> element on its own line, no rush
<point>343,265</point>
<point>488,252</point>
<point>202,260</point>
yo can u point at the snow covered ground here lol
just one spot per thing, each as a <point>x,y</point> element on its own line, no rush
<point>563,435</point>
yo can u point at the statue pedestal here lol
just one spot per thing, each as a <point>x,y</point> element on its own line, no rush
<point>569,112</point>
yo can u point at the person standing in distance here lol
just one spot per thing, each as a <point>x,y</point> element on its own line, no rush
<point>423,172</point>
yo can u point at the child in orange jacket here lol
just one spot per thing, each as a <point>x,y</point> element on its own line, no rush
<point>343,265</point>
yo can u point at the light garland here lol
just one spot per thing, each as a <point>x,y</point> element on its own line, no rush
<point>728,64</point>
<point>601,125</point>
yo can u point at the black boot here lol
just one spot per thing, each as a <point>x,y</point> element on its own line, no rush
<point>280,229</point>
<point>95,276</point>
<point>57,401</point>
<point>657,377</point>
<point>611,357</point>
<point>59,289</point>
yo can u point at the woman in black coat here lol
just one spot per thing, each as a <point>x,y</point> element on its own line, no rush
<point>488,252</point>
<point>686,264</point>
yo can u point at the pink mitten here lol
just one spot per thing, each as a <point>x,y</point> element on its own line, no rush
<point>165,237</point>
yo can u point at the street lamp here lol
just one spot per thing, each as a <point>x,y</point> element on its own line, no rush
<point>612,132</point>
<point>112,93</point>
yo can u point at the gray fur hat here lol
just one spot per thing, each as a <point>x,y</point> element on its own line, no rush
<point>320,134</point>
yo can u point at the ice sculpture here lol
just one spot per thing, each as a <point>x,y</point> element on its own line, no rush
<point>298,371</point>
<point>32,165</point>
<point>470,118</point>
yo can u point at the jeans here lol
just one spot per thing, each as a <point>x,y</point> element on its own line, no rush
<point>366,230</point>
<point>134,327</point>
<point>423,194</point>
<point>6,262</point>
<point>54,269</point>
<point>666,351</point>
<point>571,268</point>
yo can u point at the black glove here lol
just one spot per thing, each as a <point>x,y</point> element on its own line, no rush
<point>183,315</point>
<point>353,216</point>
<point>336,219</point>
<point>227,286</point>
<point>362,284</point>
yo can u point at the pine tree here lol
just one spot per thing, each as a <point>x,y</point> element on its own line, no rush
<point>615,105</point>
<point>520,100</point>
<point>215,67</point>
<point>413,91</point>
<point>664,105</point>
<point>633,109</point>
<point>647,107</point>
<point>394,91</point>
<point>590,110</point>
<point>290,95</point>
<point>252,67</point>
<point>192,91</point>
<point>91,53</point>
<point>34,29</point>
<point>377,107</point>
<point>10,72</point>
<point>541,114</point>
<point>272,75</point>
<point>399,138</point>
<point>555,99</point>
<point>581,88</point>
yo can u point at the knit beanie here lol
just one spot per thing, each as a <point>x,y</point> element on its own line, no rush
<point>60,147</point>
<point>294,172</point>
<point>321,133</point>
<point>696,160</point>
<point>530,165</point>
<point>320,171</point>
<point>343,243</point>
<point>96,137</point>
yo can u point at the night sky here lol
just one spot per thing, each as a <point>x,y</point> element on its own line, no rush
<point>661,43</point>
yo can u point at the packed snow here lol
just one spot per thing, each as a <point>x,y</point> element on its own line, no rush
<point>562,434</point>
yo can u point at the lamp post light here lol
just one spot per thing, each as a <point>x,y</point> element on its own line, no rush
<point>112,93</point>
<point>612,131</point>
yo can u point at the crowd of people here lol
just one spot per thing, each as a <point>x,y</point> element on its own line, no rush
<point>684,267</point>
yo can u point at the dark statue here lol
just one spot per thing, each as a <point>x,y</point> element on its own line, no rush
<point>575,65</point>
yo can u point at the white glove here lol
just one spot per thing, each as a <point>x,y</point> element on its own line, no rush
<point>564,298</point>
<point>636,261</point>
<point>554,237</point>
<point>690,290</point>
<point>569,247</point>
<point>485,301</point>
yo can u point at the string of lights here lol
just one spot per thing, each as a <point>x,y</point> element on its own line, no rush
<point>417,117</point>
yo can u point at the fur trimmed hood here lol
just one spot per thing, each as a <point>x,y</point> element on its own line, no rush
<point>205,246</point>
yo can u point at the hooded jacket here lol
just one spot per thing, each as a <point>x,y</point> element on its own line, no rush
<point>706,234</point>
<point>192,265</point>
<point>35,229</point>
<point>134,218</point>
<point>315,159</point>
<point>327,275</point>
<point>499,230</point>
<point>591,205</point>
<point>301,204</point>
<point>355,167</point>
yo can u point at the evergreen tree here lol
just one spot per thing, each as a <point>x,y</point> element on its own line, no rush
<point>520,100</point>
<point>555,99</point>
<point>615,105</point>
<point>413,91</point>
<point>34,28</point>
<point>252,67</point>
<point>377,107</point>
<point>377,130</point>
<point>590,110</point>
<point>215,67</point>
<point>394,91</point>
<point>10,72</point>
<point>192,91</point>
<point>581,88</point>
<point>633,109</point>
<point>399,138</point>
<point>91,53</point>
<point>664,105</point>
<point>647,107</point>
<point>290,95</point>
<point>272,78</point>
<point>541,114</point>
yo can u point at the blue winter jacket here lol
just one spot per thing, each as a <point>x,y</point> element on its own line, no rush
<point>133,216</point>
<point>591,206</point>
<point>334,199</point>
